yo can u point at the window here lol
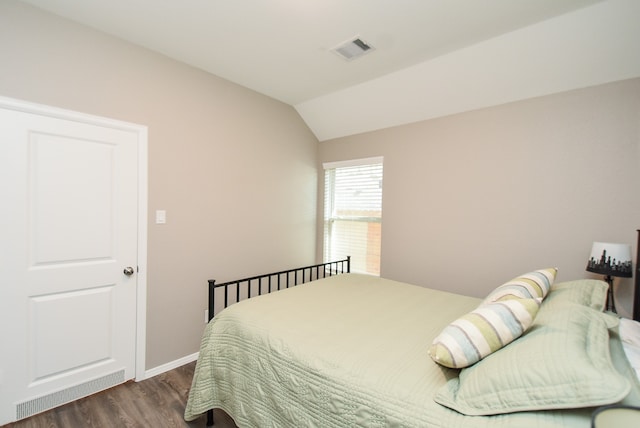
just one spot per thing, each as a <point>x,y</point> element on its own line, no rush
<point>353,213</point>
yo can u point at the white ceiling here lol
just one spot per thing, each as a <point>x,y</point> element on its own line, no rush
<point>282,48</point>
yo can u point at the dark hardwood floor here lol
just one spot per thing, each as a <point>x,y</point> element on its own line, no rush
<point>155,402</point>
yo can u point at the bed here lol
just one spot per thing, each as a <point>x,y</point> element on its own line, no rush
<point>340,349</point>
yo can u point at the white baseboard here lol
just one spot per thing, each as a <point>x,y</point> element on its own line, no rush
<point>170,366</point>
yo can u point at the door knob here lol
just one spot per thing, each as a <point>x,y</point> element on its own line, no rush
<point>128,271</point>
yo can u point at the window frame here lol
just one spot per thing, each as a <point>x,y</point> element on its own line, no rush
<point>329,208</point>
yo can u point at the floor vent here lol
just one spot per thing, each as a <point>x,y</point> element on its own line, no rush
<point>352,49</point>
<point>49,401</point>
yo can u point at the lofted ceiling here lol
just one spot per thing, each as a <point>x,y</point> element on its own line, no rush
<point>283,48</point>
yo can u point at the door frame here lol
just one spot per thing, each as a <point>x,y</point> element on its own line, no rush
<point>141,276</point>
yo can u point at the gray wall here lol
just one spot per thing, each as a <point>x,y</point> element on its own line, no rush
<point>473,199</point>
<point>235,170</point>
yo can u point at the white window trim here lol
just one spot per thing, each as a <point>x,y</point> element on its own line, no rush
<point>353,162</point>
<point>329,167</point>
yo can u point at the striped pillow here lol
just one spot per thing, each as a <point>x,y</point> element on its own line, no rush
<point>482,331</point>
<point>528,286</point>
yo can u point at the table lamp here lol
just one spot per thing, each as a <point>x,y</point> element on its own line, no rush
<point>610,260</point>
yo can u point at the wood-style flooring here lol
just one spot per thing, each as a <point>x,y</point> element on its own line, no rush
<point>156,402</point>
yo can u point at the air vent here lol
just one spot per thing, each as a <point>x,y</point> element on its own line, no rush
<point>49,401</point>
<point>352,49</point>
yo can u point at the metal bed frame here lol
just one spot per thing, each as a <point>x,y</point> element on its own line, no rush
<point>636,293</point>
<point>246,288</point>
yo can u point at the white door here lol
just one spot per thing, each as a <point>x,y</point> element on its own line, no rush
<point>70,229</point>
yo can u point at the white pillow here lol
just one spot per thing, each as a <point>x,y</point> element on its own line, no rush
<point>630,335</point>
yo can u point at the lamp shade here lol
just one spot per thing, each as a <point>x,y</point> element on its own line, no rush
<point>610,259</point>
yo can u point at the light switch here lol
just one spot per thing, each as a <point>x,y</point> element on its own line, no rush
<point>161,216</point>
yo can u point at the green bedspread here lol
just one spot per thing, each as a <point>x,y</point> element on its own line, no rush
<point>346,351</point>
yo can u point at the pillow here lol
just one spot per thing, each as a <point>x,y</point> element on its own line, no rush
<point>630,337</point>
<point>528,286</point>
<point>483,331</point>
<point>586,292</point>
<point>562,362</point>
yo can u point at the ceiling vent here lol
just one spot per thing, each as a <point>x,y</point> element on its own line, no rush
<point>353,49</point>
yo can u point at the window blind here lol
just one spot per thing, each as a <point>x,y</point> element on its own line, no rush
<point>353,214</point>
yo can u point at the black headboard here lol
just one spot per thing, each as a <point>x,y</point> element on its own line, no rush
<point>636,291</point>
